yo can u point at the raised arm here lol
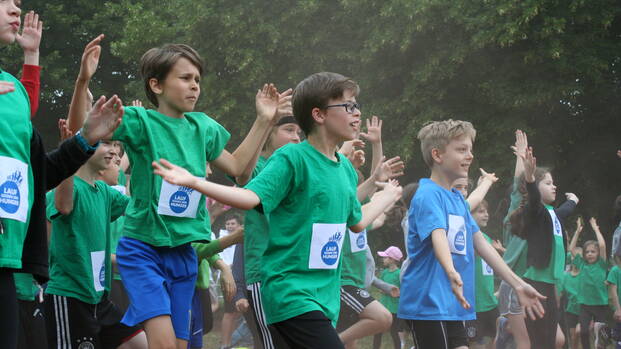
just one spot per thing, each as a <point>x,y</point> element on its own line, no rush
<point>600,239</point>
<point>574,239</point>
<point>386,170</point>
<point>379,203</point>
<point>443,255</point>
<point>30,40</point>
<point>485,183</point>
<point>63,196</point>
<point>519,149</point>
<point>374,135</point>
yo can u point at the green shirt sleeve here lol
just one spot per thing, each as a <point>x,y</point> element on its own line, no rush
<point>50,210</point>
<point>205,251</point>
<point>130,131</point>
<point>274,182</point>
<point>613,276</point>
<point>217,138</point>
<point>118,203</point>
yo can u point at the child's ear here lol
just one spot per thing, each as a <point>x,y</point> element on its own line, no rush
<point>318,115</point>
<point>436,155</point>
<point>154,84</point>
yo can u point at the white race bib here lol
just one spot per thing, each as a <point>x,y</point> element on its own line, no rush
<point>120,188</point>
<point>13,189</point>
<point>178,201</point>
<point>486,269</point>
<point>98,259</point>
<point>457,234</point>
<point>357,241</point>
<point>558,231</point>
<point>326,245</point>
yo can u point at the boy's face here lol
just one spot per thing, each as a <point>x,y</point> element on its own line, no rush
<point>387,261</point>
<point>231,225</point>
<point>456,158</point>
<point>111,174</point>
<point>461,185</point>
<point>285,134</point>
<point>9,20</point>
<point>547,189</point>
<point>103,156</point>
<point>338,122</point>
<point>180,89</point>
<point>481,216</point>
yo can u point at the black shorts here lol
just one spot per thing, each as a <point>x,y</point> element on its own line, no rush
<point>571,320</point>
<point>31,325</point>
<point>312,330</point>
<point>353,302</point>
<point>429,334</point>
<point>483,326</point>
<point>73,323</point>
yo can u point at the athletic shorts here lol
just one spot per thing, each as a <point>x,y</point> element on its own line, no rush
<point>31,322</point>
<point>72,323</point>
<point>508,302</point>
<point>572,320</point>
<point>159,281</point>
<point>429,334</point>
<point>312,330</point>
<point>483,326</point>
<point>268,335</point>
<point>196,320</point>
<point>353,302</point>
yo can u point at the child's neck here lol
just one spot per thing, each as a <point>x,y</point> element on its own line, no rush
<point>88,174</point>
<point>167,110</point>
<point>324,143</point>
<point>441,179</point>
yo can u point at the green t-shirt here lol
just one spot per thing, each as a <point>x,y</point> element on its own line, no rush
<point>354,256</point>
<point>391,277</point>
<point>80,243</point>
<point>116,227</point>
<point>16,183</point>
<point>26,286</point>
<point>189,142</point>
<point>614,278</point>
<point>255,236</point>
<point>484,283</point>
<point>569,285</point>
<point>309,201</point>
<point>592,290</point>
<point>516,247</point>
<point>554,270</point>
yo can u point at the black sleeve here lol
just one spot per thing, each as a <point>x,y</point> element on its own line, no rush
<point>238,273</point>
<point>64,161</point>
<point>533,206</point>
<point>566,209</point>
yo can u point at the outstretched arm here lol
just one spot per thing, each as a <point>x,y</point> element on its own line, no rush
<point>600,239</point>
<point>485,183</point>
<point>374,135</point>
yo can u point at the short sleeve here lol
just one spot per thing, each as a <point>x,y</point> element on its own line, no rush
<point>471,224</point>
<point>216,140</point>
<point>130,131</point>
<point>613,276</point>
<point>426,214</point>
<point>273,183</point>
<point>118,203</point>
<point>356,213</point>
<point>50,210</point>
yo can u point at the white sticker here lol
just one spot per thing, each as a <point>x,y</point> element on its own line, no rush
<point>98,259</point>
<point>558,231</point>
<point>457,234</point>
<point>357,241</point>
<point>13,189</point>
<point>178,201</point>
<point>486,269</point>
<point>120,188</point>
<point>326,245</point>
<point>228,254</point>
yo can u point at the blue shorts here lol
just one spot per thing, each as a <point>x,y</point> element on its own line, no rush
<point>159,281</point>
<point>196,321</point>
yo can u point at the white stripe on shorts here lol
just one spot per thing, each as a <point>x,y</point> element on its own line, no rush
<point>255,291</point>
<point>351,301</point>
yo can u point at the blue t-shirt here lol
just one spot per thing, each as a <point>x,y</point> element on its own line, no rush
<point>425,289</point>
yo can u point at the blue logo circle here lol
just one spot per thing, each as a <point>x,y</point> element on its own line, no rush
<point>179,201</point>
<point>9,197</point>
<point>361,240</point>
<point>102,275</point>
<point>460,241</point>
<point>330,253</point>
<point>488,269</point>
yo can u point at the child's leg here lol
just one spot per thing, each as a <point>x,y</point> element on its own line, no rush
<point>160,333</point>
<point>70,323</point>
<point>509,306</point>
<point>394,331</point>
<point>112,333</point>
<point>229,323</point>
<point>560,337</point>
<point>438,334</point>
<point>539,330</point>
<point>585,320</point>
<point>269,336</point>
<point>312,330</point>
<point>9,314</point>
<point>372,316</point>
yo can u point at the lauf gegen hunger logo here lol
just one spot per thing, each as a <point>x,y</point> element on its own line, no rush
<point>330,251</point>
<point>361,241</point>
<point>460,240</point>
<point>9,193</point>
<point>180,200</point>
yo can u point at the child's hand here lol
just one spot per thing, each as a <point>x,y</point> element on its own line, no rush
<point>6,87</point>
<point>530,299</point>
<point>357,158</point>
<point>490,177</point>
<point>388,169</point>
<point>395,292</point>
<point>594,225</point>
<point>521,144</point>
<point>530,165</point>
<point>173,174</point>
<point>572,197</point>
<point>617,315</point>
<point>267,103</point>
<point>390,188</point>
<point>348,147</point>
<point>497,245</point>
<point>90,59</point>
<point>65,132</point>
<point>103,119</point>
<point>242,305</point>
<point>228,285</point>
<point>284,104</point>
<point>579,225</point>
<point>30,38</point>
<point>619,153</point>
<point>136,103</point>
<point>374,130</point>
<point>458,289</point>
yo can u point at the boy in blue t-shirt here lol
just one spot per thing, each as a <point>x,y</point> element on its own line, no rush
<point>441,242</point>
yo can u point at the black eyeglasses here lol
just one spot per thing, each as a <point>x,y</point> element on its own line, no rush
<point>349,107</point>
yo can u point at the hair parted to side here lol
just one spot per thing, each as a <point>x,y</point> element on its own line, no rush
<point>157,62</point>
<point>315,91</point>
<point>437,134</point>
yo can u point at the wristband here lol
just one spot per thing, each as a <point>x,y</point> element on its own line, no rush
<point>84,144</point>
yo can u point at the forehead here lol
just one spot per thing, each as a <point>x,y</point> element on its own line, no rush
<point>348,96</point>
<point>183,66</point>
<point>547,177</point>
<point>460,141</point>
<point>591,247</point>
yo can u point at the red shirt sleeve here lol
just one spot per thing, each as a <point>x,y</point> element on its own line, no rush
<point>31,79</point>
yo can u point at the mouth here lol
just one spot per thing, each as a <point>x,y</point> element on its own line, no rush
<point>15,26</point>
<point>355,125</point>
<point>466,167</point>
<point>192,98</point>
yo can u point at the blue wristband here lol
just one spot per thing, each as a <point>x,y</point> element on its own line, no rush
<point>84,144</point>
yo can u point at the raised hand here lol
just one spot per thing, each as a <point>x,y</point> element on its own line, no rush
<point>573,197</point>
<point>103,119</point>
<point>594,226</point>
<point>30,38</point>
<point>521,144</point>
<point>90,58</point>
<point>65,132</point>
<point>619,153</point>
<point>357,158</point>
<point>173,174</point>
<point>389,169</point>
<point>390,188</point>
<point>284,104</point>
<point>6,87</point>
<point>395,292</point>
<point>530,165</point>
<point>579,225</point>
<point>490,177</point>
<point>497,245</point>
<point>374,130</point>
<point>267,102</point>
<point>530,299</point>
<point>136,103</point>
<point>348,147</point>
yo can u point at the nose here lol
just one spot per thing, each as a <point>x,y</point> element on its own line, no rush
<point>14,10</point>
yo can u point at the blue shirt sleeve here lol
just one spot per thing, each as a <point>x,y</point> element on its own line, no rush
<point>427,214</point>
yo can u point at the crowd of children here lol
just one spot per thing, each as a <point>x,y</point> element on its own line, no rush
<point>131,247</point>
